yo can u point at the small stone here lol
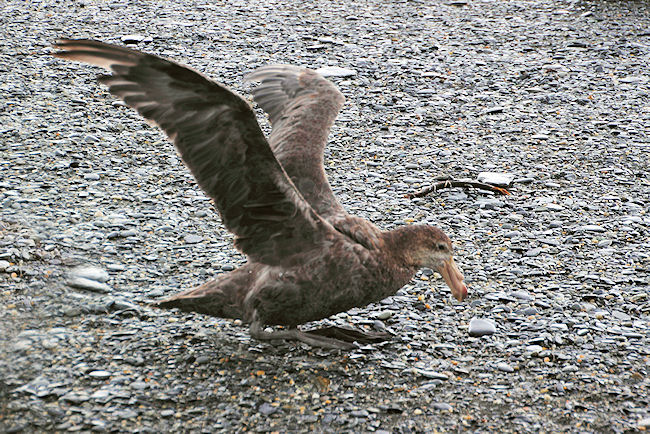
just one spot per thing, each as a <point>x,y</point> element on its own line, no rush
<point>534,349</point>
<point>379,326</point>
<point>91,285</point>
<point>167,413</point>
<point>644,423</point>
<point>89,272</point>
<point>91,177</point>
<point>384,315</point>
<point>622,316</point>
<point>335,71</point>
<point>139,385</point>
<point>134,360</point>
<point>492,111</point>
<point>126,414</point>
<point>21,345</point>
<point>102,375</point>
<point>267,409</point>
<point>4,265</point>
<point>481,327</point>
<point>50,344</point>
<point>100,395</point>
<point>504,367</point>
<point>590,228</point>
<point>529,311</point>
<point>202,360</point>
<point>193,239</point>
<point>442,406</point>
<point>75,397</point>
<point>534,252</point>
<point>521,295</point>
<point>431,374</point>
<point>135,38</point>
<point>496,178</point>
<point>115,267</point>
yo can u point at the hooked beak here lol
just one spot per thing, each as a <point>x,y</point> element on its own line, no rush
<point>454,279</point>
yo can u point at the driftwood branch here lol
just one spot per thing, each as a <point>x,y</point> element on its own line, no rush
<point>450,183</point>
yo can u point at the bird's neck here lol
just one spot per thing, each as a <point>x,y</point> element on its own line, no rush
<point>402,244</point>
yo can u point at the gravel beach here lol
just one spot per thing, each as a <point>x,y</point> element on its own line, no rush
<point>99,218</point>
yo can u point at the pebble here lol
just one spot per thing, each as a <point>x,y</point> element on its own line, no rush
<point>91,285</point>
<point>91,273</point>
<point>135,39</point>
<point>442,406</point>
<point>360,413</point>
<point>529,311</point>
<point>481,327</point>
<point>139,385</point>
<point>384,315</point>
<point>494,178</point>
<point>267,409</point>
<point>521,295</point>
<point>75,397</point>
<point>622,316</point>
<point>534,349</point>
<point>202,360</point>
<point>100,374</point>
<point>504,367</point>
<point>534,252</point>
<point>431,374</point>
<point>115,267</point>
<point>193,239</point>
<point>335,71</point>
<point>590,228</point>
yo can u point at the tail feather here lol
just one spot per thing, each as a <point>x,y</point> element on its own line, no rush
<point>222,297</point>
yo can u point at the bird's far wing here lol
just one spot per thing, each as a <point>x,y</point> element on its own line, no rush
<point>302,106</point>
<point>219,139</point>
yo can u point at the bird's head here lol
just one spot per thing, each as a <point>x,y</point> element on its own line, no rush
<point>431,248</point>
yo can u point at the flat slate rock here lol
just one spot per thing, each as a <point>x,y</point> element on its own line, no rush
<point>481,327</point>
<point>496,178</point>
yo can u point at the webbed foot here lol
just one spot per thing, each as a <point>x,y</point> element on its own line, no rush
<point>314,340</point>
<point>351,335</point>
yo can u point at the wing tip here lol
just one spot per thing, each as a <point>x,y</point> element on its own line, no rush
<point>268,71</point>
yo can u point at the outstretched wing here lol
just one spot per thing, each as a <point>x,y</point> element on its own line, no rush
<point>302,106</point>
<point>219,139</point>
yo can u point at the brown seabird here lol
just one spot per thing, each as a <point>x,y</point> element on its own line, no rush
<point>307,257</point>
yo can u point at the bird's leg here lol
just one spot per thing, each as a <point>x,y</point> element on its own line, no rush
<point>315,340</point>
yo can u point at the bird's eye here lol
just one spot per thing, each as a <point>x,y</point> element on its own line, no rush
<point>441,247</point>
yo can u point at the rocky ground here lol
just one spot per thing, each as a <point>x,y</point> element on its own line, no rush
<point>554,93</point>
